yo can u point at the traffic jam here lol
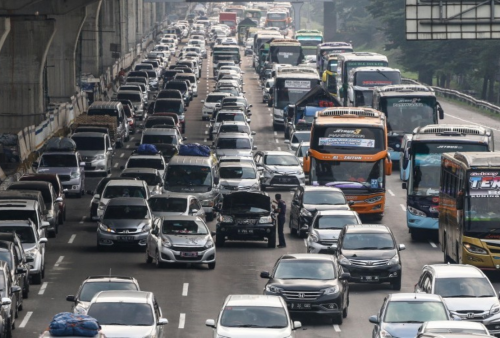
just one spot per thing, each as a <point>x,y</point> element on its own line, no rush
<point>252,180</point>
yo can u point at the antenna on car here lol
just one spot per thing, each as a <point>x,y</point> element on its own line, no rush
<point>109,272</point>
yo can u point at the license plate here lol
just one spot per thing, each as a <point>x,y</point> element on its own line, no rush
<point>126,238</point>
<point>370,278</point>
<point>245,231</point>
<point>284,179</point>
<point>189,254</point>
<point>300,306</point>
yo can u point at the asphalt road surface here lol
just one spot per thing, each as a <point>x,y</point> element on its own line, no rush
<point>188,295</point>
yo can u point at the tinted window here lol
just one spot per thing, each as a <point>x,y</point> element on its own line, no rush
<point>161,204</point>
<point>89,290</point>
<point>89,143</point>
<point>126,212</point>
<point>184,227</point>
<point>56,160</point>
<point>7,215</point>
<point>284,160</point>
<point>237,173</point>
<point>124,191</point>
<point>308,269</point>
<point>25,234</point>
<point>150,179</point>
<point>463,287</point>
<point>334,222</point>
<point>254,316</point>
<point>6,257</point>
<point>233,143</point>
<point>324,197</point>
<point>129,96</point>
<point>368,241</point>
<point>230,117</point>
<point>146,163</point>
<point>414,311</point>
<point>120,313</point>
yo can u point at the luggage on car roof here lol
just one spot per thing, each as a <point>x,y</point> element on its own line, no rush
<point>66,324</point>
<point>60,144</point>
<point>194,149</point>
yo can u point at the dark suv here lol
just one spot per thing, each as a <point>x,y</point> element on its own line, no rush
<point>312,284</point>
<point>17,268</point>
<point>9,291</point>
<point>20,257</point>
<point>370,254</point>
<point>246,216</point>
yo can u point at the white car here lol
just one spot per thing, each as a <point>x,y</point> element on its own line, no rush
<point>235,176</point>
<point>155,161</point>
<point>279,169</point>
<point>122,188</point>
<point>172,204</point>
<point>209,104</point>
<point>296,138</point>
<point>254,316</point>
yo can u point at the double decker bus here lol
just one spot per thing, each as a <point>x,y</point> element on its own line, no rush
<point>285,51</point>
<point>468,209</point>
<point>289,87</point>
<point>326,49</point>
<point>348,61</point>
<point>348,150</point>
<point>406,107</point>
<point>424,164</point>
<point>309,39</point>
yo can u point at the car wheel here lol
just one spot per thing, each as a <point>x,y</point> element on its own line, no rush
<point>149,259</point>
<point>211,266</point>
<point>26,289</point>
<point>158,263</point>
<point>8,329</point>
<point>51,233</point>
<point>37,279</point>
<point>20,307</point>
<point>61,218</point>
<point>263,188</point>
<point>209,217</point>
<point>127,138</point>
<point>271,241</point>
<point>346,309</point>
<point>396,285</point>
<point>220,240</point>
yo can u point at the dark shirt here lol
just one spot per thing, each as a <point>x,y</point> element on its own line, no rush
<point>282,208</point>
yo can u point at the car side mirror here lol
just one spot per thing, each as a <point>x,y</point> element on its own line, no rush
<point>213,233</point>
<point>43,240</point>
<point>6,301</point>
<point>254,147</point>
<point>44,225</point>
<point>373,319</point>
<point>59,199</point>
<point>15,289</point>
<point>345,276</point>
<point>401,247</point>
<point>184,138</point>
<point>253,133</point>
<point>297,325</point>
<point>97,196</point>
<point>163,321</point>
<point>202,101</point>
<point>210,323</point>
<point>334,247</point>
<point>265,274</point>
<point>110,149</point>
<point>194,211</point>
<point>71,298</point>
<point>250,105</point>
<point>286,141</point>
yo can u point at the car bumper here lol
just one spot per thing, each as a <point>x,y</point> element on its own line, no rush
<point>202,257</point>
<point>277,181</point>
<point>206,113</point>
<point>110,239</point>
<point>323,305</point>
<point>97,166</point>
<point>239,232</point>
<point>378,274</point>
<point>315,247</point>
<point>419,222</point>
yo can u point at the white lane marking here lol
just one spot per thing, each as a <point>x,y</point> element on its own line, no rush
<point>432,244</point>
<point>276,133</point>
<point>185,288</point>
<point>128,146</point>
<point>59,261</point>
<point>305,242</point>
<point>83,220</point>
<point>390,192</point>
<point>207,125</point>
<point>205,140</point>
<point>477,124</point>
<point>43,288</point>
<point>122,154</point>
<point>403,207</point>
<point>182,320</point>
<point>206,132</point>
<point>270,114</point>
<point>277,141</point>
<point>336,328</point>
<point>132,138</point>
<point>279,148</point>
<point>268,109</point>
<point>72,239</point>
<point>116,165</point>
<point>26,319</point>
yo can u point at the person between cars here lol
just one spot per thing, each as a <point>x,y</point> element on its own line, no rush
<point>280,211</point>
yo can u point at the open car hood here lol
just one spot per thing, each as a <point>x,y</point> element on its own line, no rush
<point>253,199</point>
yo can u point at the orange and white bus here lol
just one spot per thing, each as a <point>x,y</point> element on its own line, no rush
<point>348,150</point>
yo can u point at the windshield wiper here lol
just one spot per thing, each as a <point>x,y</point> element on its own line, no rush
<point>386,248</point>
<point>273,327</point>
<point>460,296</point>
<point>248,325</point>
<point>368,248</point>
<point>481,296</point>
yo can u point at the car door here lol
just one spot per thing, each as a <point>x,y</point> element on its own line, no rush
<point>158,315</point>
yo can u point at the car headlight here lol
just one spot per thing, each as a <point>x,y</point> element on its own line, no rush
<point>105,228</point>
<point>100,157</point>
<point>226,219</point>
<point>255,186</point>
<point>314,238</point>
<point>80,310</point>
<point>300,172</point>
<point>394,260</point>
<point>305,213</point>
<point>145,226</point>
<point>416,212</point>
<point>495,308</point>
<point>75,174</point>
<point>101,206</point>
<point>166,243</point>
<point>343,260</point>
<point>273,289</point>
<point>31,253</point>
<point>373,199</point>
<point>209,244</point>
<point>475,249</point>
<point>265,219</point>
<point>331,291</point>
<point>385,334</point>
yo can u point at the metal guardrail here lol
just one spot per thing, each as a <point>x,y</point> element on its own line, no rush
<point>456,95</point>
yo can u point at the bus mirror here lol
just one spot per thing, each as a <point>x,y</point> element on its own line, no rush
<point>388,167</point>
<point>291,110</point>
<point>440,110</point>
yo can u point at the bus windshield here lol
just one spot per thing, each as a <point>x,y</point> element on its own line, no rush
<point>426,164</point>
<point>377,78</point>
<point>349,65</point>
<point>348,175</point>
<point>347,140</point>
<point>291,55</point>
<point>310,41</point>
<point>404,114</point>
<point>279,24</point>
<point>481,207</point>
<point>289,91</point>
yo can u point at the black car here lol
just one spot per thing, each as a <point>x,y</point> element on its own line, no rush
<point>94,203</point>
<point>181,86</point>
<point>21,258</point>
<point>312,284</point>
<point>17,270</point>
<point>307,200</point>
<point>9,291</point>
<point>370,254</point>
<point>245,216</point>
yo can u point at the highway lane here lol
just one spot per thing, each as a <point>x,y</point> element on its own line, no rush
<point>190,295</point>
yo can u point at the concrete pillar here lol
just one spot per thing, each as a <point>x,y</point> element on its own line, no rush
<point>90,40</point>
<point>160,11</point>
<point>4,30</point>
<point>129,20</point>
<point>153,16</point>
<point>140,16</point>
<point>22,60</point>
<point>111,26</point>
<point>330,21</point>
<point>61,60</point>
<point>147,18</point>
<point>296,14</point>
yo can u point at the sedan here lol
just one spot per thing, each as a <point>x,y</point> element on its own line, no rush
<point>173,204</point>
<point>180,239</point>
<point>279,169</point>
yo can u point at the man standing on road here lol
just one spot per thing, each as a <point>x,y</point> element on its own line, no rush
<point>280,210</point>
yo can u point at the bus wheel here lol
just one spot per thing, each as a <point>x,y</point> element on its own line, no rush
<point>416,235</point>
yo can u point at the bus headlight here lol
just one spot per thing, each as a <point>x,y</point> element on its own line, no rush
<point>416,212</point>
<point>475,249</point>
<point>373,199</point>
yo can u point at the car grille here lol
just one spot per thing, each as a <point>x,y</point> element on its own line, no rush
<point>285,180</point>
<point>64,178</point>
<point>188,248</point>
<point>88,158</point>
<point>369,263</point>
<point>246,221</point>
<point>181,258</point>
<point>125,231</point>
<point>301,295</point>
<point>234,187</point>
<point>328,242</point>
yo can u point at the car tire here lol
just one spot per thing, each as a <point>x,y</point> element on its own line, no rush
<point>8,329</point>
<point>211,266</point>
<point>61,218</point>
<point>158,263</point>
<point>52,233</point>
<point>37,278</point>
<point>345,311</point>
<point>26,290</point>
<point>220,240</point>
<point>396,285</point>
<point>271,241</point>
<point>149,259</point>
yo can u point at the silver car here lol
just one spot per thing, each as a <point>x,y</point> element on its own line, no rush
<point>174,204</point>
<point>234,176</point>
<point>180,239</point>
<point>279,169</point>
<point>296,138</point>
<point>225,115</point>
<point>233,144</point>
<point>325,229</point>
<point>96,150</point>
<point>152,177</point>
<point>209,104</point>
<point>126,313</point>
<point>126,221</point>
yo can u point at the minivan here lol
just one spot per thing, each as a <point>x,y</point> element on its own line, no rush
<point>96,151</point>
<point>136,98</point>
<point>191,78</point>
<point>113,108</point>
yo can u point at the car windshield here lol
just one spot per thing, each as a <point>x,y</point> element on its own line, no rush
<point>189,176</point>
<point>254,316</point>
<point>414,312</point>
<point>368,241</point>
<point>167,121</point>
<point>167,204</point>
<point>153,163</point>
<point>90,289</point>
<point>302,151</point>
<point>324,197</point>
<point>233,143</point>
<point>474,332</point>
<point>58,160</point>
<point>169,106</point>
<point>298,137</point>
<point>120,313</point>
<point>2,282</point>
<point>334,221</point>
<point>159,139</point>
<point>130,96</point>
<point>281,160</point>
<point>306,269</point>
<point>237,172</point>
<point>126,212</point>
<point>89,143</point>
<point>12,214</point>
<point>25,234</point>
<point>234,128</point>
<point>230,117</point>
<point>6,257</point>
<point>214,98</point>
<point>124,191</point>
<point>183,227</point>
<point>463,287</point>
<point>150,179</point>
